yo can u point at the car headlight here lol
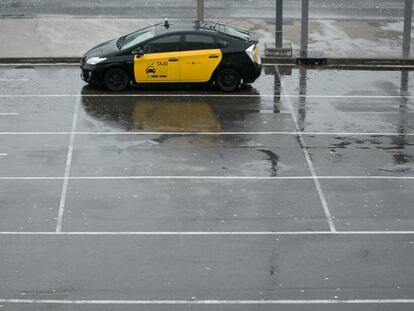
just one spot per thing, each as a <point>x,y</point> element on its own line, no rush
<point>95,60</point>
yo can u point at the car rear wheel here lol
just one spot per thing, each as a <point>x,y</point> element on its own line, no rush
<point>228,80</point>
<point>116,79</point>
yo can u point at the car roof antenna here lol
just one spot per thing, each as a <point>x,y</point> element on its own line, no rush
<point>166,24</point>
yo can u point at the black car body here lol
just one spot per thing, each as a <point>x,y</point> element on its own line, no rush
<point>175,52</point>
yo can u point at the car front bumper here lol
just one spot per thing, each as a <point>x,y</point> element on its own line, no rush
<point>252,72</point>
<point>92,73</point>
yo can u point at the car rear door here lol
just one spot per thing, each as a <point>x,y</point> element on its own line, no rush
<point>199,57</point>
<point>160,62</point>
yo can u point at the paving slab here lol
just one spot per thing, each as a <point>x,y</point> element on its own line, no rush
<point>65,36</point>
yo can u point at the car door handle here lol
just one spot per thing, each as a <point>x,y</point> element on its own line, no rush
<point>213,56</point>
<point>173,60</point>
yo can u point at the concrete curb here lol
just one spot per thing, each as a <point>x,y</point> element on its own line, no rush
<point>341,62</point>
<point>40,60</point>
<point>406,63</point>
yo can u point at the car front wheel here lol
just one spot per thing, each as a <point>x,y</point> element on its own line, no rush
<point>228,80</point>
<point>116,79</point>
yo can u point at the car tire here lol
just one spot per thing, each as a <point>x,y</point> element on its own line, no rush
<point>228,80</point>
<point>116,79</point>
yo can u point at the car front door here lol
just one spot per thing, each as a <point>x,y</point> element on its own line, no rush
<point>199,57</point>
<point>160,61</point>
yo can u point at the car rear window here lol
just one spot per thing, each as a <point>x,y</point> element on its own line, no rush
<point>233,31</point>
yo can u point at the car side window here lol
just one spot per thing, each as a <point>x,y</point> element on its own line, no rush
<point>222,43</point>
<point>199,42</point>
<point>164,44</point>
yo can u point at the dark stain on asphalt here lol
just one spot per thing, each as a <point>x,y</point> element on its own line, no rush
<point>273,159</point>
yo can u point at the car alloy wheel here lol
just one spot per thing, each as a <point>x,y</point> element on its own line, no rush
<point>116,79</point>
<point>228,80</point>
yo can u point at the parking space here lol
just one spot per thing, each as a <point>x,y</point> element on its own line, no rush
<point>205,267</point>
<point>362,155</point>
<point>29,206</point>
<point>193,205</point>
<point>188,155</point>
<point>294,193</point>
<point>181,114</point>
<point>371,204</point>
<point>22,114</point>
<point>33,155</point>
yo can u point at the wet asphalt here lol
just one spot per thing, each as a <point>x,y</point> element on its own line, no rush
<point>379,9</point>
<point>190,159</point>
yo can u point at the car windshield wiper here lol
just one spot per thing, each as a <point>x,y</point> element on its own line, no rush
<point>120,42</point>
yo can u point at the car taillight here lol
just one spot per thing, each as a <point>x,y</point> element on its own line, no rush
<point>253,53</point>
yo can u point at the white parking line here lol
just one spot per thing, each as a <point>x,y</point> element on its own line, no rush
<point>210,95</point>
<point>14,80</point>
<point>67,171</point>
<point>207,302</point>
<point>310,164</point>
<point>3,154</point>
<point>294,133</point>
<point>9,114</point>
<point>201,177</point>
<point>196,233</point>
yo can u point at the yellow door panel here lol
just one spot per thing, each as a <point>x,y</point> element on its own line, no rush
<point>199,65</point>
<point>157,67</point>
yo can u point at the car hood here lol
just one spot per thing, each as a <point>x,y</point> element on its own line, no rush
<point>104,49</point>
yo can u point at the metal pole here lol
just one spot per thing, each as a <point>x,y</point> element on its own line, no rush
<point>304,28</point>
<point>279,24</point>
<point>200,10</point>
<point>408,14</point>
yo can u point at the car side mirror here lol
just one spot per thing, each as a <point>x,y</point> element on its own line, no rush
<point>139,52</point>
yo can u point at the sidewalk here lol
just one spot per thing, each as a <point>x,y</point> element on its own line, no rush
<point>59,37</point>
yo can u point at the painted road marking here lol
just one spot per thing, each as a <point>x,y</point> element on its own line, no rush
<point>211,95</point>
<point>322,198</point>
<point>145,233</point>
<point>67,171</point>
<point>207,302</point>
<point>201,177</point>
<point>214,133</point>
<point>9,114</point>
<point>14,80</point>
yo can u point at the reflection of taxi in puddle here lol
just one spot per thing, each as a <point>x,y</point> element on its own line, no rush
<point>148,114</point>
<point>176,52</point>
<point>176,116</point>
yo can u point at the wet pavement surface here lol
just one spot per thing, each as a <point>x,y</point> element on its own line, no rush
<point>187,8</point>
<point>207,201</point>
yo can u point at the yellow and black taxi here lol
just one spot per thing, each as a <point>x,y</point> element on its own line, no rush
<point>175,52</point>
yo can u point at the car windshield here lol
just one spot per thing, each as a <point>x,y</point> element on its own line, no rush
<point>138,36</point>
<point>233,31</point>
